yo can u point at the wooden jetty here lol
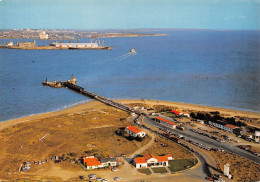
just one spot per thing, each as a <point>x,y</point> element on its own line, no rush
<point>97,97</point>
<point>71,84</point>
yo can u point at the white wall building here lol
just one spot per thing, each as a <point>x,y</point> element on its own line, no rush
<point>135,132</point>
<point>149,160</point>
<point>43,35</point>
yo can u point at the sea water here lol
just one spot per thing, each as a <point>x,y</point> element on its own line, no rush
<point>216,68</point>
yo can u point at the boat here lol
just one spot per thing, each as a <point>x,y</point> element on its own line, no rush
<point>89,48</point>
<point>84,46</point>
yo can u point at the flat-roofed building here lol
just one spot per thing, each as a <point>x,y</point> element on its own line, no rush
<point>166,122</point>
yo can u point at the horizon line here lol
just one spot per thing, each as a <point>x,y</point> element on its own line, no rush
<point>133,29</point>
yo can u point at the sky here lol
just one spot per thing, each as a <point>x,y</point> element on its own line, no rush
<point>130,14</point>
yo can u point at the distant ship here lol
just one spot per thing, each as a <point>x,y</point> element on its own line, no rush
<point>77,46</point>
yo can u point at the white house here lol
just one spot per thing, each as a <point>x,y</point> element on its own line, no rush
<point>108,162</point>
<point>140,162</point>
<point>166,122</point>
<point>135,132</point>
<point>150,160</point>
<point>92,162</point>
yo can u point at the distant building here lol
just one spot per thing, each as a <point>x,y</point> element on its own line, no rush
<point>166,122</point>
<point>43,35</point>
<point>150,160</point>
<point>135,132</point>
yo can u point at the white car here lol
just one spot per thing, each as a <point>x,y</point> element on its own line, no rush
<point>105,180</point>
<point>114,169</point>
<point>117,178</point>
<point>99,179</point>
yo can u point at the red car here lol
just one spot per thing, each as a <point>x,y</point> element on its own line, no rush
<point>209,179</point>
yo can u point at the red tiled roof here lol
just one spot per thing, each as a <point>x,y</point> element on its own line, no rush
<point>169,155</point>
<point>176,112</point>
<point>96,163</point>
<point>148,156</point>
<point>161,158</point>
<point>133,129</point>
<point>140,160</point>
<point>92,161</point>
<point>166,121</point>
<point>231,126</point>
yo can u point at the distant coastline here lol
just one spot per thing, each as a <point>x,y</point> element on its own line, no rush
<point>96,35</point>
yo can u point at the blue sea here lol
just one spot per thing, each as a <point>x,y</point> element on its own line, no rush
<point>215,68</point>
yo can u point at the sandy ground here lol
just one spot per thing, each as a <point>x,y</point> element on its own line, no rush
<point>96,105</point>
<point>187,106</point>
<point>75,109</point>
<point>127,172</point>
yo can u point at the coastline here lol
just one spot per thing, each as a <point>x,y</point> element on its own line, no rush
<point>92,105</point>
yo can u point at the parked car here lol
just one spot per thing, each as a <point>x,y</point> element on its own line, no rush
<point>99,179</point>
<point>117,178</point>
<point>209,179</point>
<point>92,176</point>
<point>114,169</point>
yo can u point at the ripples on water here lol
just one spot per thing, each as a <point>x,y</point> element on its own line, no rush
<point>203,67</point>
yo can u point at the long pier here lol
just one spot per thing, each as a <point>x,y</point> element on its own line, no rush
<point>105,100</point>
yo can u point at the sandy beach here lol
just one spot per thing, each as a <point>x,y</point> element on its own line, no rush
<point>89,127</point>
<point>95,105</point>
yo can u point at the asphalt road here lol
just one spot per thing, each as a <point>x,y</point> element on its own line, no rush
<point>227,146</point>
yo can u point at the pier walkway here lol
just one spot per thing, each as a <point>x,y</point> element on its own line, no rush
<point>105,100</point>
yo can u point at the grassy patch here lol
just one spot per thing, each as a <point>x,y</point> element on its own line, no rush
<point>171,115</point>
<point>181,164</point>
<point>145,171</point>
<point>159,170</point>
